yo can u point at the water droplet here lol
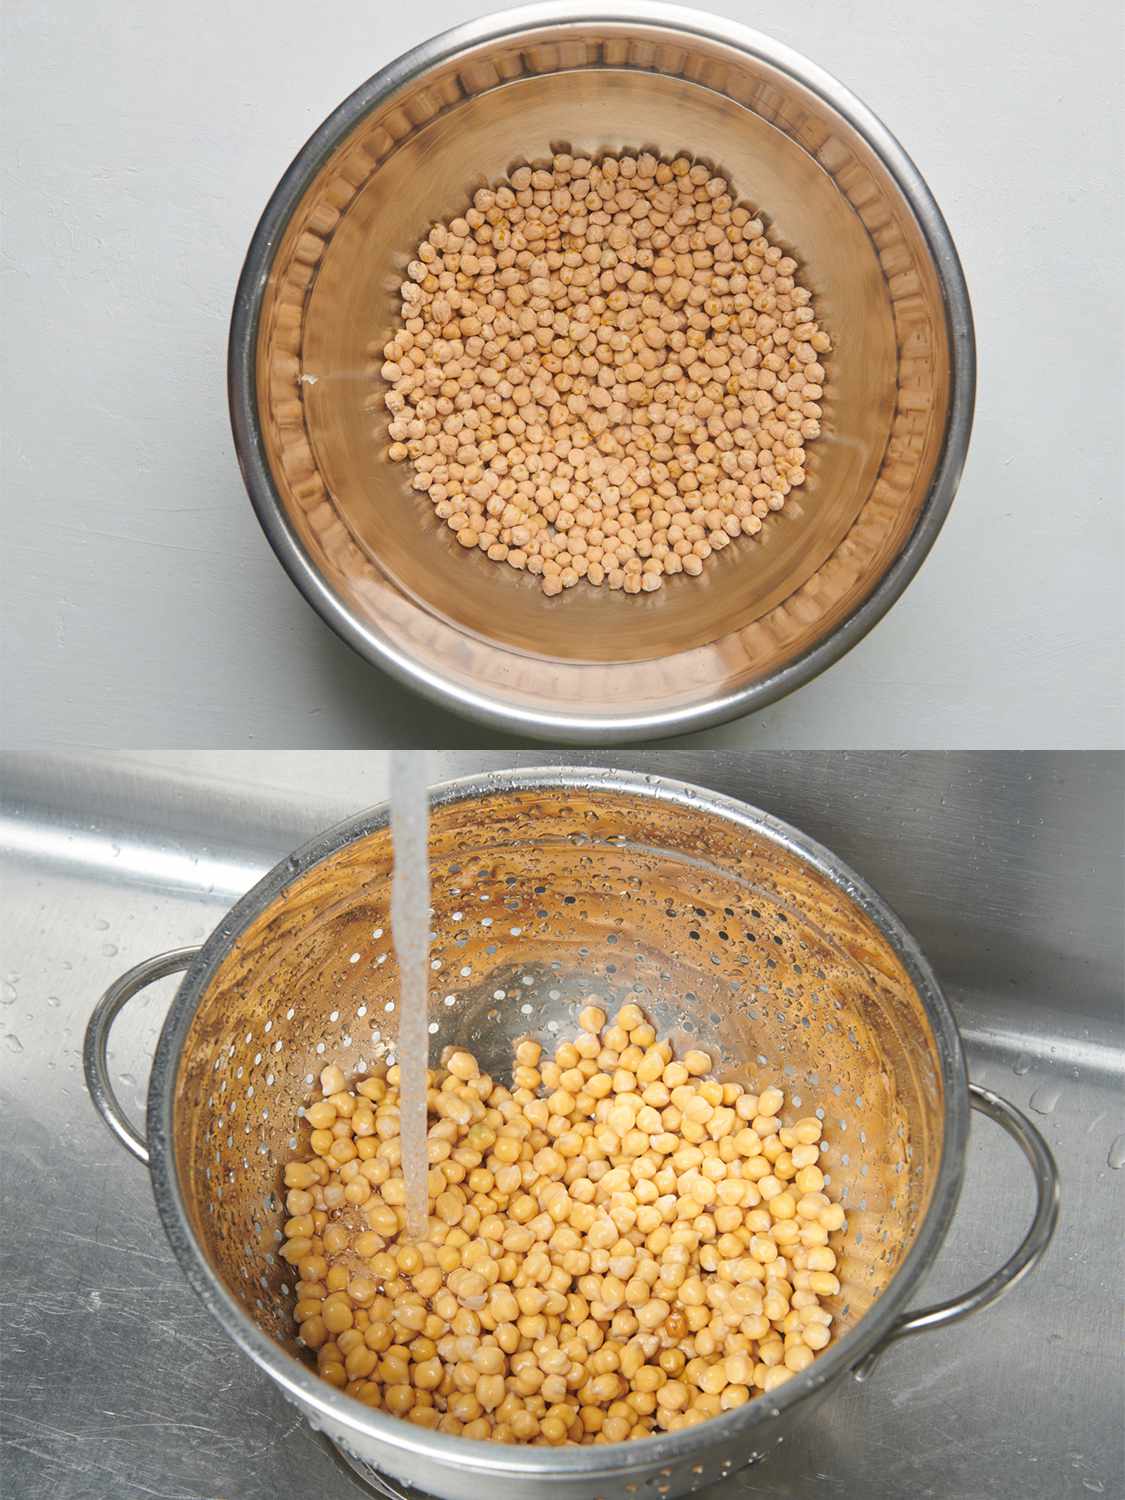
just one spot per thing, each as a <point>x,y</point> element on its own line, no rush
<point>14,1043</point>
<point>1044,1099</point>
<point>66,964</point>
<point>114,850</point>
<point>128,1080</point>
<point>109,949</point>
<point>7,993</point>
<point>53,1000</point>
<point>1116,1157</point>
<point>101,924</point>
<point>1022,1064</point>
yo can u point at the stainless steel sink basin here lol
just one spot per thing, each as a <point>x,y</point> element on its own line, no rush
<point>1008,869</point>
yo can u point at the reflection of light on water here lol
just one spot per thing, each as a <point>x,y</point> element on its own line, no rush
<point>1045,1099</point>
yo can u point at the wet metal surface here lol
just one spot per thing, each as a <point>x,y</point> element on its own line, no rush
<point>117,1385</point>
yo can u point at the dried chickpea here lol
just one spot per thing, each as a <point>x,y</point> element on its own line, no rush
<point>636,341</point>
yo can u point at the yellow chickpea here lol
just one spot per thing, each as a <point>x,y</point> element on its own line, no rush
<point>558,1289</point>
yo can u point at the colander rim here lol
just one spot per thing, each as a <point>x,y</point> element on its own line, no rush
<point>305,1387</point>
<point>439,687</point>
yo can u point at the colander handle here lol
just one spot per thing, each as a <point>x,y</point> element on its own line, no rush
<point>1024,1258</point>
<point>95,1062</point>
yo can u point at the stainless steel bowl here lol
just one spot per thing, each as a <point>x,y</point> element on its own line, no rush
<point>742,935</point>
<point>317,299</point>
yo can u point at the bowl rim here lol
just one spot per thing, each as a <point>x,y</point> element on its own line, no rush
<point>491,709</point>
<point>327,1404</point>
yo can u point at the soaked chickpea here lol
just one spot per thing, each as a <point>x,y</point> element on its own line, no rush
<point>608,372</point>
<point>619,1245</point>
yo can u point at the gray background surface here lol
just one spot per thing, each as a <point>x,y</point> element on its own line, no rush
<point>143,605</point>
<point>115,1383</point>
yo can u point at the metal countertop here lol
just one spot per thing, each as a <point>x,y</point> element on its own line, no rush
<point>117,1385</point>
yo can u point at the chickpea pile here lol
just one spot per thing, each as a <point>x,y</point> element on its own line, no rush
<point>604,370</point>
<point>618,1245</point>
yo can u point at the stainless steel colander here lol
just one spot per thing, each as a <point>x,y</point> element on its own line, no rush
<point>736,933</point>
